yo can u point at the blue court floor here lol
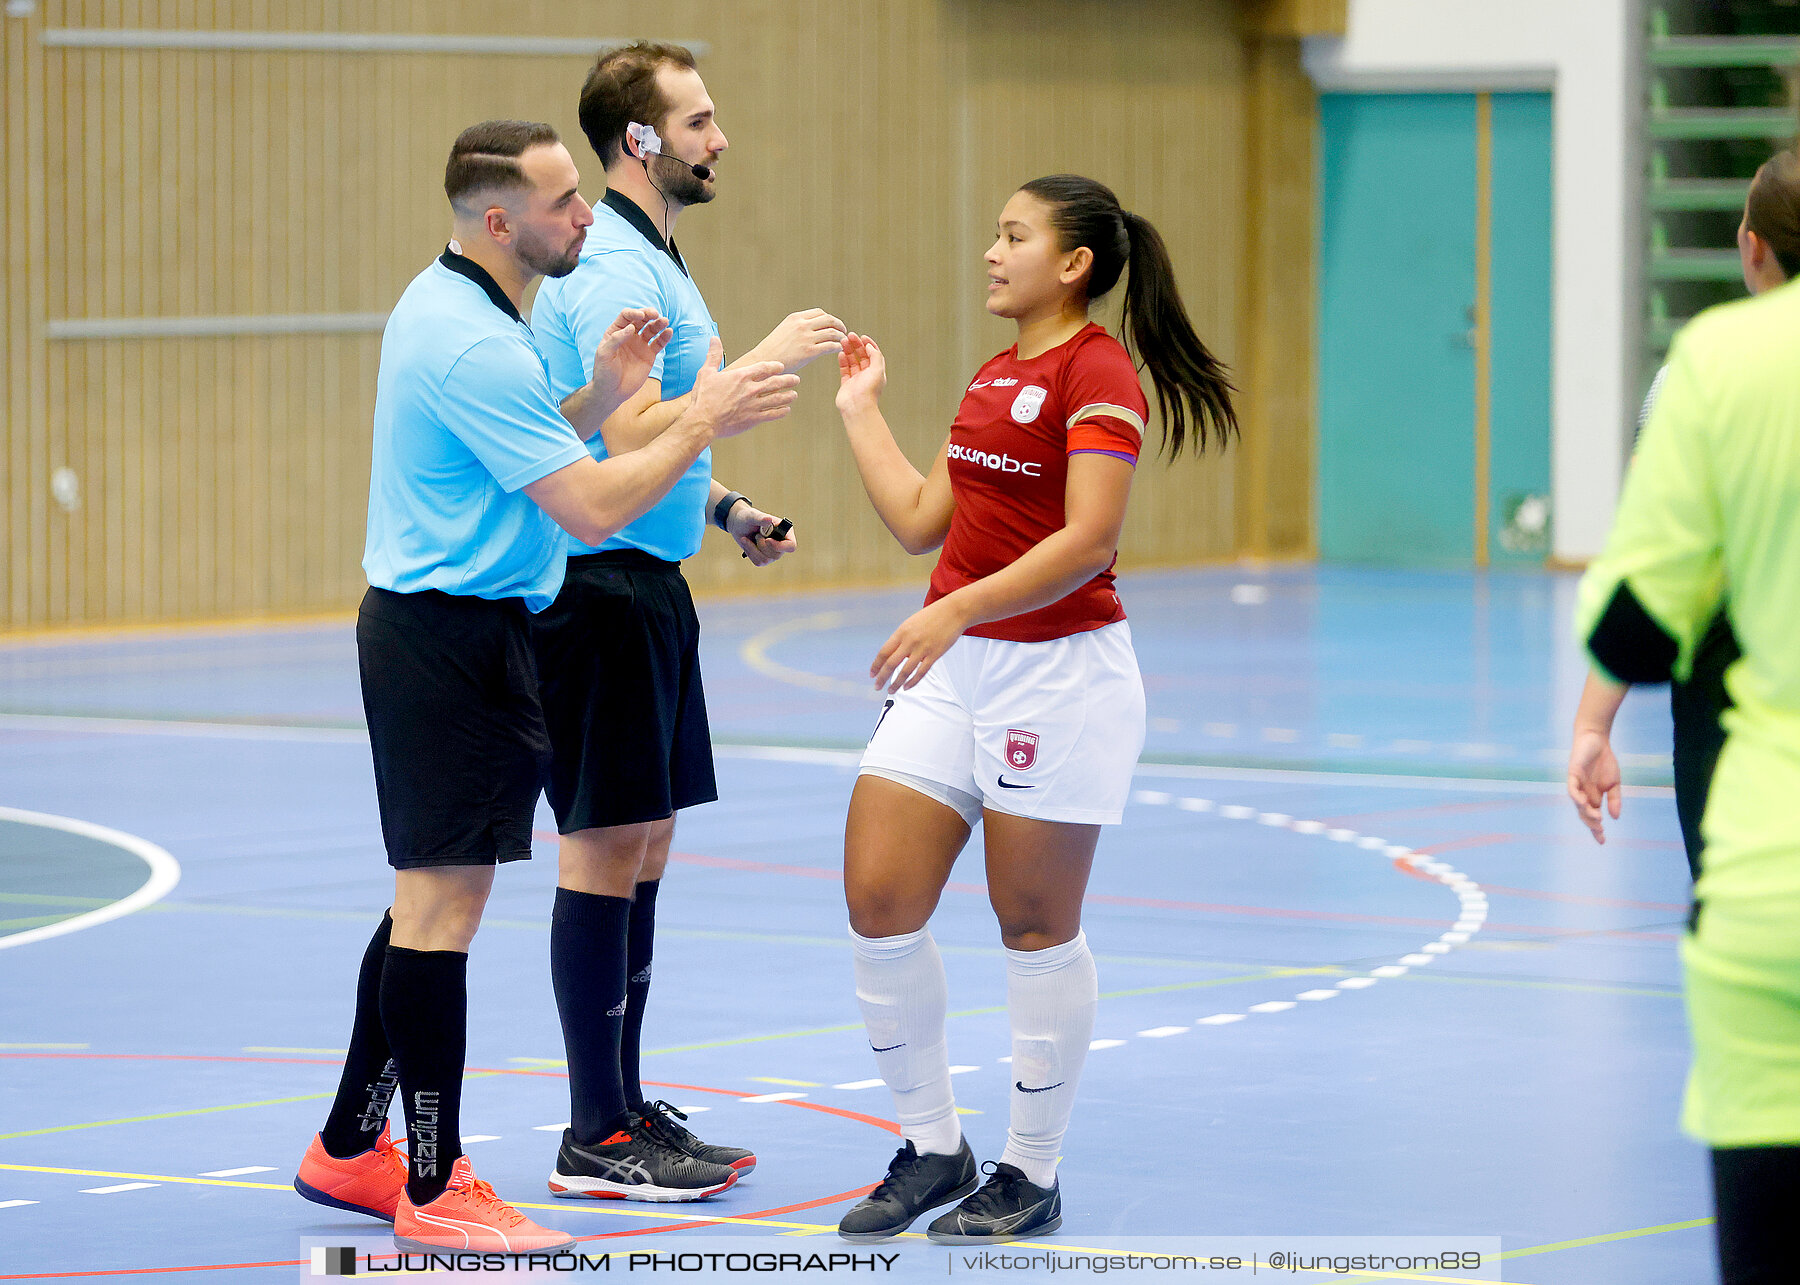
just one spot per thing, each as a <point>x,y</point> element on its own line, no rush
<point>1364,973</point>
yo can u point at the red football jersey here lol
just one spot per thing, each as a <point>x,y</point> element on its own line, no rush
<point>1009,464</point>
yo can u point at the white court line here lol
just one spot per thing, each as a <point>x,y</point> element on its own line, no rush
<point>773,1097</point>
<point>123,1186</point>
<point>1470,917</point>
<point>165,873</point>
<point>14,1204</point>
<point>181,727</point>
<point>806,754</point>
<point>239,1173</point>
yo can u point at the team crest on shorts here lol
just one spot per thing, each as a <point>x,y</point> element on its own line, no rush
<point>1026,405</point>
<point>1021,749</point>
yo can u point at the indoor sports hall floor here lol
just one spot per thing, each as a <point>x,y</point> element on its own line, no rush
<point>1364,973</point>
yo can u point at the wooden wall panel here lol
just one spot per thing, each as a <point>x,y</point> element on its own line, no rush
<point>872,147</point>
<point>1275,467</point>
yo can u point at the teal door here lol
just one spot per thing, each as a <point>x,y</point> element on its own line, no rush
<point>1406,424</point>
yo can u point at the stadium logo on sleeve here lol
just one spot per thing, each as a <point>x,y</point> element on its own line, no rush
<point>1021,749</point>
<point>1028,403</point>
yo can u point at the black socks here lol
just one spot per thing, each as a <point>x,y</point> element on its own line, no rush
<point>587,971</point>
<point>367,1085</point>
<point>640,940</point>
<point>425,1011</point>
<point>1755,1192</point>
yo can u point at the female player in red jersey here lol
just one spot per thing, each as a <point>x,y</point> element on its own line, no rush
<point>1014,693</point>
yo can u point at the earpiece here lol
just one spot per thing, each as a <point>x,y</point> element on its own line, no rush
<point>650,144</point>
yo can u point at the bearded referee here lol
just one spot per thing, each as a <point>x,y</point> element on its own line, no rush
<point>618,652</point>
<point>476,476</point>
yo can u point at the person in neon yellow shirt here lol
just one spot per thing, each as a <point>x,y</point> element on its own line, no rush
<point>1769,250</point>
<point>1710,519</point>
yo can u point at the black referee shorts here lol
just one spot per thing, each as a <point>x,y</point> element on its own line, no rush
<point>618,657</point>
<point>450,689</point>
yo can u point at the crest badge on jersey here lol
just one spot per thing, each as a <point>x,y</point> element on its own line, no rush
<point>1021,748</point>
<point>1028,403</point>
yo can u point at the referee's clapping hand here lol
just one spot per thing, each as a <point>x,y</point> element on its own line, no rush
<point>626,353</point>
<point>733,401</point>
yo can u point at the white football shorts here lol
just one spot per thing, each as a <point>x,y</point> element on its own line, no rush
<point>1045,730</point>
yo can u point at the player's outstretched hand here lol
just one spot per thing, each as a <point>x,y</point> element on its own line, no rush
<point>918,644</point>
<point>801,337</point>
<point>626,353</point>
<point>1593,777</point>
<point>862,374</point>
<point>741,398</point>
<point>751,528</point>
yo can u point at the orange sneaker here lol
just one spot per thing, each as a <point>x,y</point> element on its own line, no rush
<point>468,1215</point>
<point>369,1183</point>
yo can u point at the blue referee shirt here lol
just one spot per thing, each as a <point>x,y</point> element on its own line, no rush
<point>463,419</point>
<point>626,264</point>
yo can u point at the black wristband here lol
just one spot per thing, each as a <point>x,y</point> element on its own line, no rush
<point>722,509</point>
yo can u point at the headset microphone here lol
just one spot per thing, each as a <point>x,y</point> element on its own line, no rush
<point>651,145</point>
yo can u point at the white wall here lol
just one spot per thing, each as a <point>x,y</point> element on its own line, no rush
<point>1580,49</point>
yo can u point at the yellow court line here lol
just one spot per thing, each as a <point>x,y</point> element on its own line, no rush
<point>817,1228</point>
<point>176,1115</point>
<point>1203,984</point>
<point>565,1207</point>
<point>1690,1224</point>
<point>166,1115</point>
<point>1393,1276</point>
<point>754,652</point>
<point>151,1177</point>
<point>37,921</point>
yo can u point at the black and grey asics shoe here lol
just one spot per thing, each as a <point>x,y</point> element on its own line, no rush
<point>1009,1206</point>
<point>914,1183</point>
<point>661,1118</point>
<point>634,1164</point>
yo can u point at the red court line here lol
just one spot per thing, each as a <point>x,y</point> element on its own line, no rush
<point>478,1070</point>
<point>1579,899</point>
<point>1478,805</point>
<point>610,1235</point>
<point>726,1222</point>
<point>1467,841</point>
<point>150,1271</point>
<point>1199,907</point>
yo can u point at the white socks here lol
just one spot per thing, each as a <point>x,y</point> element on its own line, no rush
<point>1051,996</point>
<point>900,986</point>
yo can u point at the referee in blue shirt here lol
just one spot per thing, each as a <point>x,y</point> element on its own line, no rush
<point>477,474</point>
<point>618,652</point>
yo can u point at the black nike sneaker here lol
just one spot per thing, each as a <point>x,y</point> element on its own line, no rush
<point>635,1164</point>
<point>914,1183</point>
<point>661,1117</point>
<point>1009,1206</point>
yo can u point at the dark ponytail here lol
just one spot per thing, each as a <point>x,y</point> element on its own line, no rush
<point>1191,384</point>
<point>1773,209</point>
